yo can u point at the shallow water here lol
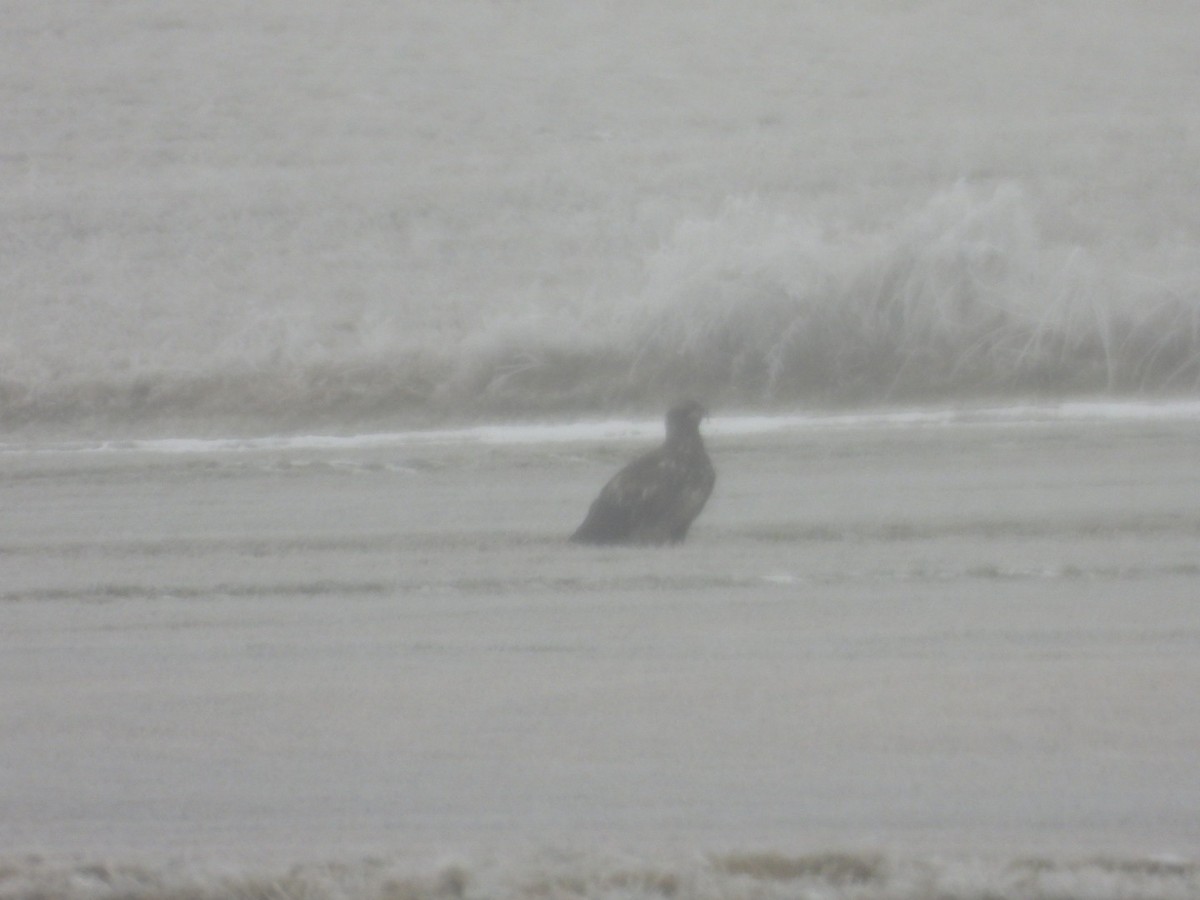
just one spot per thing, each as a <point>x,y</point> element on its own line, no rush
<point>930,642</point>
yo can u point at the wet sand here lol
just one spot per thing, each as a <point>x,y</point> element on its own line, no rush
<point>962,638</point>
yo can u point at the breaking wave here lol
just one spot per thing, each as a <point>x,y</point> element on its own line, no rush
<point>728,876</point>
<point>962,298</point>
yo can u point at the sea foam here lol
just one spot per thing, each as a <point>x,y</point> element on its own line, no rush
<point>569,431</point>
<point>717,876</point>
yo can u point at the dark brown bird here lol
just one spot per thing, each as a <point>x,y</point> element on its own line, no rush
<point>654,499</point>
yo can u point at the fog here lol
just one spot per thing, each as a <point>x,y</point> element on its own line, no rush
<point>323,324</point>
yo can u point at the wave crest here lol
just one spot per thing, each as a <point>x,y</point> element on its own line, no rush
<point>963,298</point>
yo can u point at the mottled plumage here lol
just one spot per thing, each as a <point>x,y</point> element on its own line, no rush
<point>654,499</point>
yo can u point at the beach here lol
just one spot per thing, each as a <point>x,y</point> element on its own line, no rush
<point>957,636</point>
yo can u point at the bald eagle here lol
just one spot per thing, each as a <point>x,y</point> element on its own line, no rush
<point>654,499</point>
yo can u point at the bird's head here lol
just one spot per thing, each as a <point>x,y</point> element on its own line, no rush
<point>684,418</point>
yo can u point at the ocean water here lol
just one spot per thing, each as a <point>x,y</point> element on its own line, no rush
<point>223,219</point>
<point>323,323</point>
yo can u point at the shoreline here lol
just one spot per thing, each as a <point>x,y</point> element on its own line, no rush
<point>727,872</point>
<point>1103,412</point>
